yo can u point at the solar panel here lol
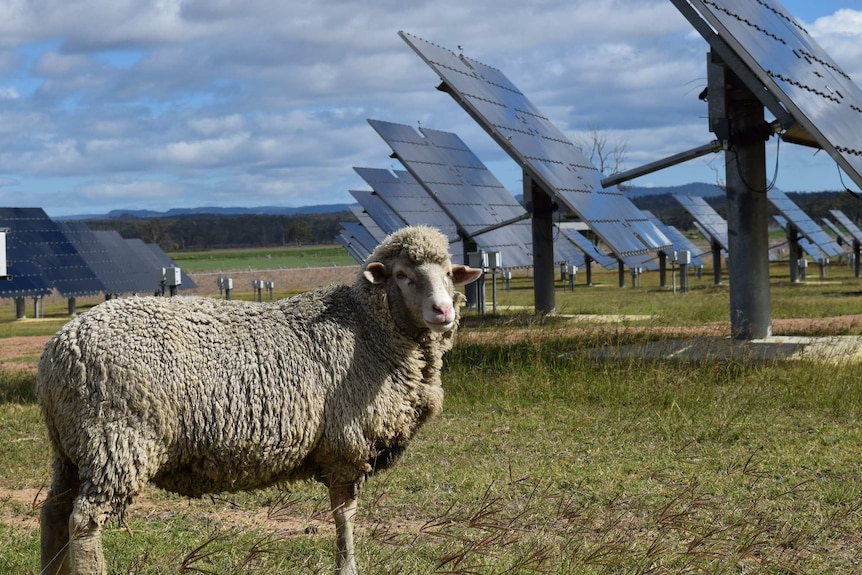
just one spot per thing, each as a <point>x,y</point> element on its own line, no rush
<point>794,69</point>
<point>359,240</point>
<point>98,257</point>
<point>407,198</point>
<point>804,244</point>
<point>368,223</point>
<point>386,219</point>
<point>465,190</point>
<point>712,225</point>
<point>587,247</point>
<point>162,260</point>
<point>842,238</point>
<point>40,257</point>
<point>848,224</point>
<point>541,149</point>
<point>680,242</point>
<point>804,224</point>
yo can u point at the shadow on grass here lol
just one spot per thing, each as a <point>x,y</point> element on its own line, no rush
<point>17,386</point>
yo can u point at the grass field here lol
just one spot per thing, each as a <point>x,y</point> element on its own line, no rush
<point>262,258</point>
<point>545,459</point>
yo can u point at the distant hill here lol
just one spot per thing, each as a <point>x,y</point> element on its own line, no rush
<point>216,211</point>
<point>700,189</point>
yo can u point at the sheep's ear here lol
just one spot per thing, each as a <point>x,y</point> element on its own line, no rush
<point>375,272</point>
<point>463,275</point>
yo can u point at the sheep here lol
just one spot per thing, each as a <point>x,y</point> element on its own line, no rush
<point>198,395</point>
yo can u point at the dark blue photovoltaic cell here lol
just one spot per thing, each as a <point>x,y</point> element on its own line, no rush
<point>39,258</point>
<point>541,148</point>
<point>848,224</point>
<point>712,225</point>
<point>802,222</point>
<point>98,257</point>
<point>788,62</point>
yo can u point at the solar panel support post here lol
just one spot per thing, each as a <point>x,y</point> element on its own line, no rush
<point>795,252</point>
<point>621,272</point>
<point>734,110</point>
<point>716,262</point>
<point>538,202</point>
<point>72,302</point>
<point>662,268</point>
<point>20,308</point>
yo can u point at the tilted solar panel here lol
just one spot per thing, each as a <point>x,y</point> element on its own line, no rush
<point>792,67</point>
<point>808,247</point>
<point>802,222</point>
<point>541,149</point>
<point>386,219</point>
<point>712,225</point>
<point>848,224</point>
<point>40,257</point>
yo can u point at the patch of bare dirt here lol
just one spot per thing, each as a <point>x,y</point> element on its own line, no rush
<point>18,352</point>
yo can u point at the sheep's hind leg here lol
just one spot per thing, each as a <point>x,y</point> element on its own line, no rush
<point>85,544</point>
<point>54,517</point>
<point>343,500</point>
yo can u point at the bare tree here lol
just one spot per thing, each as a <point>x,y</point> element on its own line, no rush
<point>607,157</point>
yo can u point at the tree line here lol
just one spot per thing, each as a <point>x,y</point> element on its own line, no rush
<point>210,231</point>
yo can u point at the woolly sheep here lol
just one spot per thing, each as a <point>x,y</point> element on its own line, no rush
<point>198,395</point>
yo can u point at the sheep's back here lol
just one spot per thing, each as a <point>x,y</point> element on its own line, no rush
<point>202,386</point>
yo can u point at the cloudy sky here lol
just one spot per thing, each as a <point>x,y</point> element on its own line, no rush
<point>160,104</point>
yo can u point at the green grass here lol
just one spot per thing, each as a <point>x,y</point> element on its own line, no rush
<point>262,258</point>
<point>544,460</point>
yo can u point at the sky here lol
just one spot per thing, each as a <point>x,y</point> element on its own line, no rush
<point>160,104</point>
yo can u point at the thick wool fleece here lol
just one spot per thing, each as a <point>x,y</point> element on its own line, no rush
<point>199,395</point>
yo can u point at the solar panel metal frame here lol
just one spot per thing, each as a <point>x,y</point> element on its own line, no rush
<point>800,78</point>
<point>803,223</point>
<point>848,224</point>
<point>541,149</point>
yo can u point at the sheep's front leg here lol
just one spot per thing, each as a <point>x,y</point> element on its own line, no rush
<point>343,500</point>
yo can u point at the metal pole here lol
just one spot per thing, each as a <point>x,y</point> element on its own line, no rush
<point>540,205</point>
<point>621,267</point>
<point>747,205</point>
<point>662,268</point>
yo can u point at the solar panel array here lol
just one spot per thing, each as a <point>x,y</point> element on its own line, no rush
<point>794,69</point>
<point>542,150</point>
<point>44,255</point>
<point>802,222</point>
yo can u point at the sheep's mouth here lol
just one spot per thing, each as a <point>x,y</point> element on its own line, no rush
<point>439,326</point>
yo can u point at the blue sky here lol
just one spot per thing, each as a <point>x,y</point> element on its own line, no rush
<point>127,104</point>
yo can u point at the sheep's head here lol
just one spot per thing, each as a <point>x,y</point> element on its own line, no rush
<point>413,264</point>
